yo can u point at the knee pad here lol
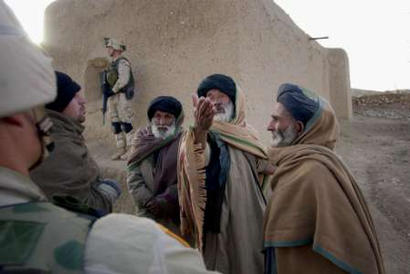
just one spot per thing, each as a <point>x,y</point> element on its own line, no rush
<point>116,127</point>
<point>126,127</point>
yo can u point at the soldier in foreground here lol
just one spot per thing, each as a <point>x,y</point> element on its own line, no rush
<point>37,236</point>
<point>119,90</point>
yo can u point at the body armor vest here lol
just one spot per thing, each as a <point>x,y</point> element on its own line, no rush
<point>112,77</point>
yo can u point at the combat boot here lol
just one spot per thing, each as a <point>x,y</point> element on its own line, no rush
<point>129,139</point>
<point>117,155</point>
<point>127,154</point>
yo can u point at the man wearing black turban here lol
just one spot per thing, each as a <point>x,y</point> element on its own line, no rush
<point>221,171</point>
<point>152,167</point>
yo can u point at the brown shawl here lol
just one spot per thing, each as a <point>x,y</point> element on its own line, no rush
<point>145,143</point>
<point>316,201</point>
<point>191,166</point>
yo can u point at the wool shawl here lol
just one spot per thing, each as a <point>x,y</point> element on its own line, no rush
<point>191,166</point>
<point>144,144</point>
<point>316,201</point>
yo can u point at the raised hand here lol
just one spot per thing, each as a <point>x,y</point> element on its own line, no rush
<point>204,112</point>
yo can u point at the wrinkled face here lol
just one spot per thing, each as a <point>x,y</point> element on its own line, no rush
<point>76,108</point>
<point>223,105</point>
<point>163,124</point>
<point>283,127</point>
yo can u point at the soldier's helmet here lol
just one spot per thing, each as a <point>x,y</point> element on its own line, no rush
<point>110,42</point>
<point>27,79</point>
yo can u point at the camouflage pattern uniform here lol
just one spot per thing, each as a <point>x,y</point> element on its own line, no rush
<point>39,237</point>
<point>120,79</point>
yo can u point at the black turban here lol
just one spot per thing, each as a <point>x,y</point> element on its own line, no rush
<point>220,82</point>
<point>167,104</point>
<point>66,90</point>
<point>298,102</point>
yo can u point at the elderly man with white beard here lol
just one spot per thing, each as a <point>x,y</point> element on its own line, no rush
<point>220,178</point>
<point>152,166</point>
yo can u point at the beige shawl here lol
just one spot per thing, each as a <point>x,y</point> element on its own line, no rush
<point>316,201</point>
<point>191,166</point>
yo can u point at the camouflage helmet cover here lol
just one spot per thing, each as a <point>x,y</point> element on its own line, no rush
<point>110,42</point>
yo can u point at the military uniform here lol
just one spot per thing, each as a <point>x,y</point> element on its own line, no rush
<point>36,234</point>
<point>121,81</point>
<point>39,237</point>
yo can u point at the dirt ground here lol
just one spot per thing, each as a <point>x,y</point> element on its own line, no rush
<point>375,144</point>
<point>377,152</point>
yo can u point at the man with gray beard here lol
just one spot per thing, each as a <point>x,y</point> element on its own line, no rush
<point>317,220</point>
<point>282,137</point>
<point>152,167</point>
<point>220,178</point>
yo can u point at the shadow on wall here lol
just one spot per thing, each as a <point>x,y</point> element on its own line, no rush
<point>92,80</point>
<point>94,127</point>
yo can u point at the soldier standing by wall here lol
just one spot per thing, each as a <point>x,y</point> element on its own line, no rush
<point>120,82</point>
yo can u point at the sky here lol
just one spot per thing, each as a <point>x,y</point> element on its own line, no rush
<point>374,33</point>
<point>31,16</point>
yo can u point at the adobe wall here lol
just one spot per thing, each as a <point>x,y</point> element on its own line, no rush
<point>339,82</point>
<point>172,45</point>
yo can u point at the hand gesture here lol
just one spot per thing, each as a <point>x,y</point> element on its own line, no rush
<point>204,112</point>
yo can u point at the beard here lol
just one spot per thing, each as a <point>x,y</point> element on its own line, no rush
<point>163,131</point>
<point>226,113</point>
<point>282,138</point>
<point>81,115</point>
<point>81,119</point>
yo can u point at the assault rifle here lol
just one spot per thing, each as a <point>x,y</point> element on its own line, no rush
<point>106,92</point>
